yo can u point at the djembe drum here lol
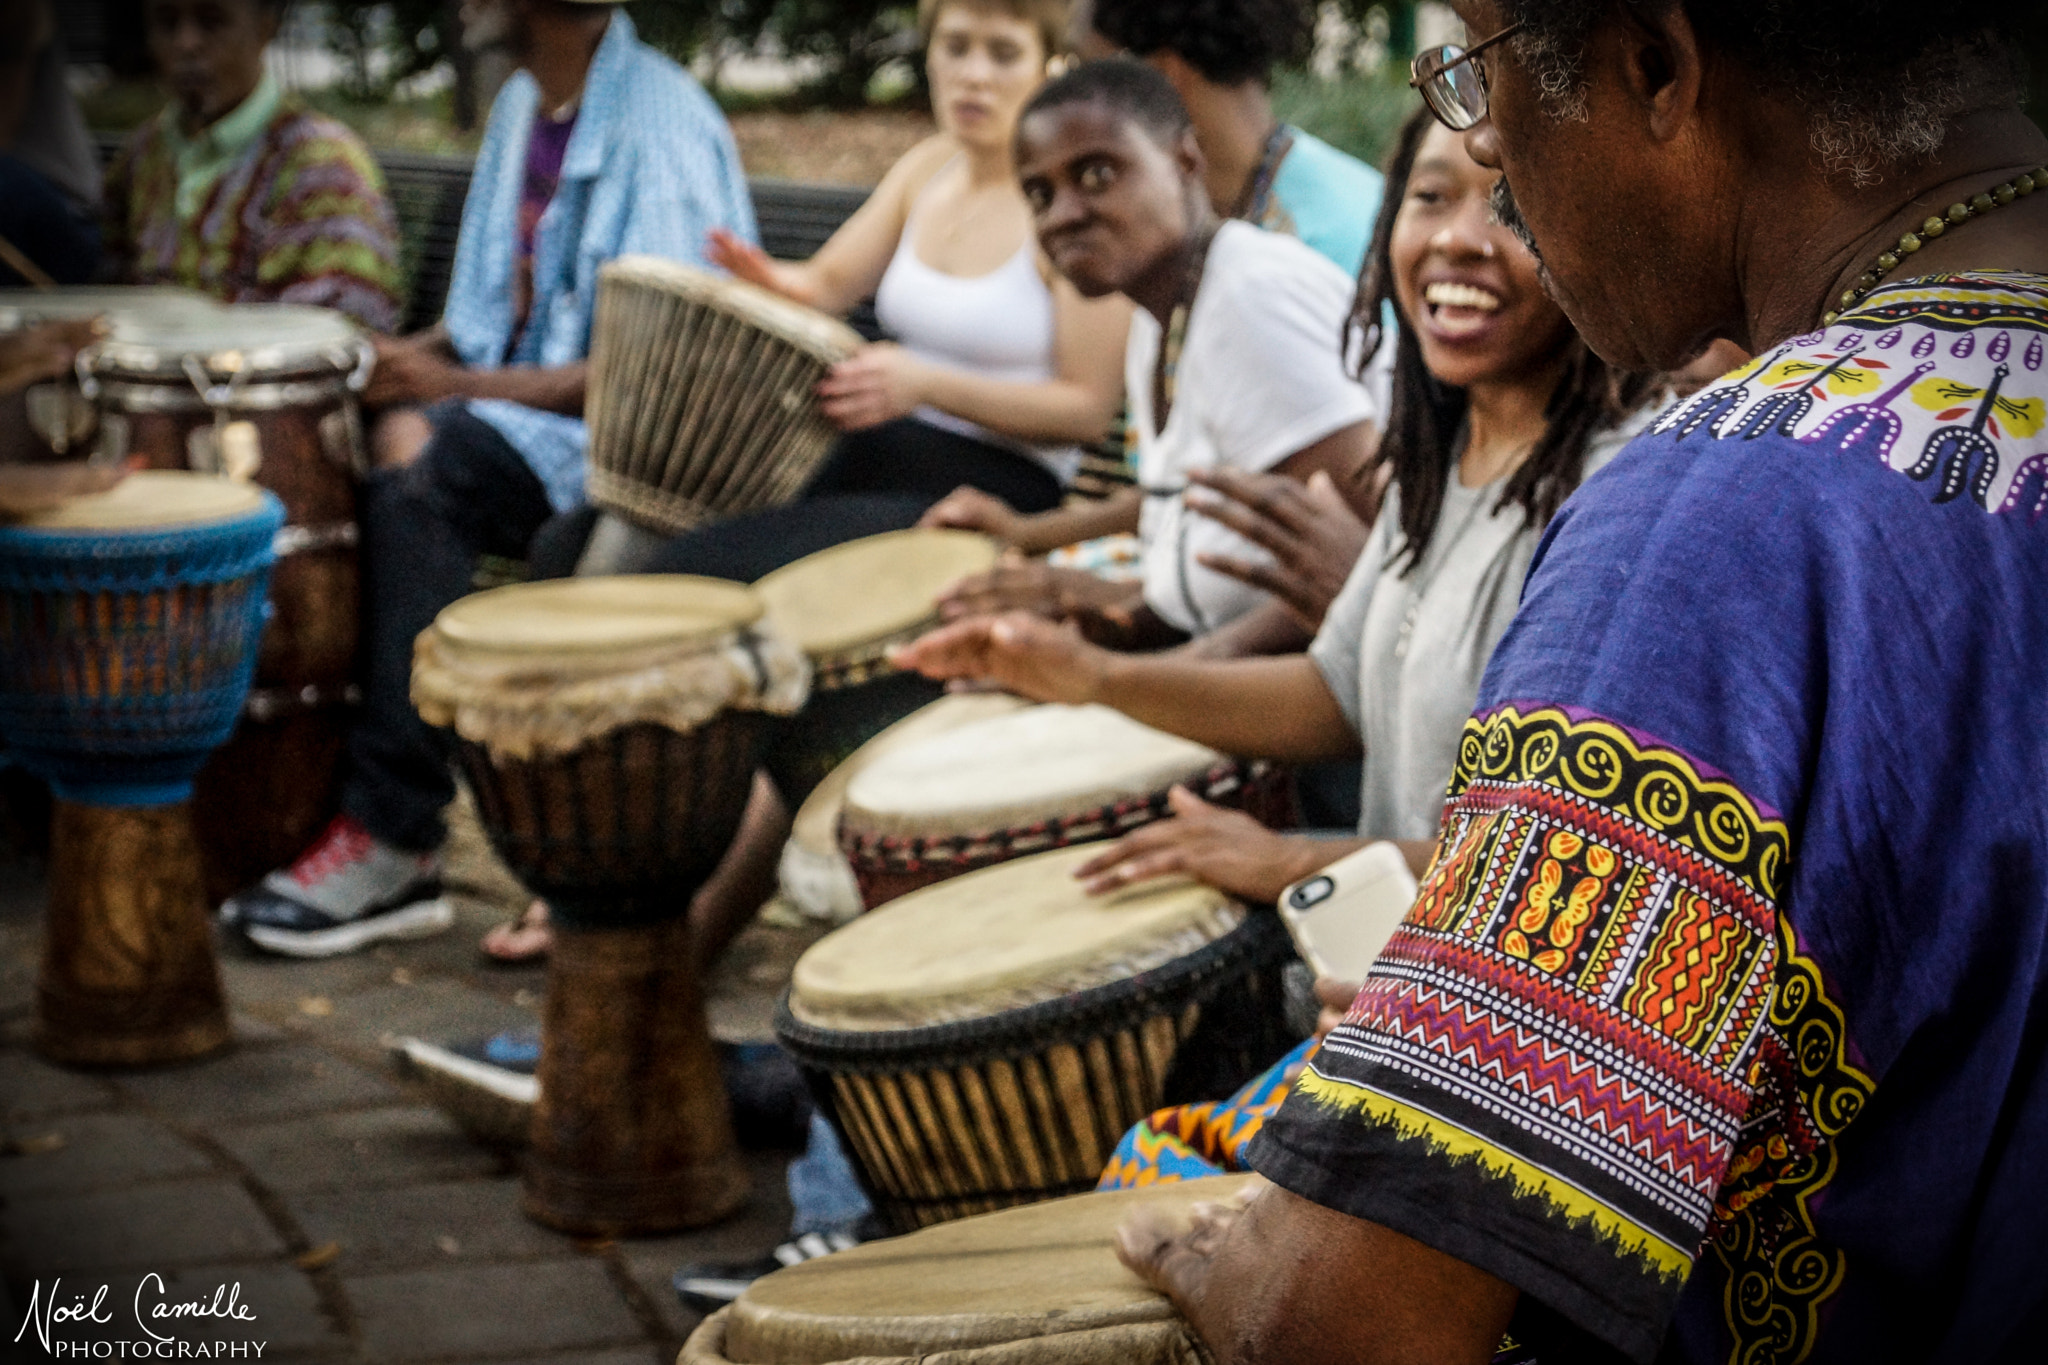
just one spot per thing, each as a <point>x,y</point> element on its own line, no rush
<point>1042,778</point>
<point>702,401</point>
<point>52,420</point>
<point>128,630</point>
<point>610,728</point>
<point>846,607</point>
<point>814,874</point>
<point>986,1041</point>
<point>264,393</point>
<point>1032,1286</point>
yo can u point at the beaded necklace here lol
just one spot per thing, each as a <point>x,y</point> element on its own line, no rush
<point>1959,213</point>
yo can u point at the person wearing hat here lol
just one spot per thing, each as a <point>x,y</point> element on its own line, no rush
<point>599,146</point>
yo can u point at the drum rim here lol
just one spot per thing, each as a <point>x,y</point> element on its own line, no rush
<point>707,634</point>
<point>843,649</point>
<point>1259,940</point>
<point>816,333</point>
<point>135,358</point>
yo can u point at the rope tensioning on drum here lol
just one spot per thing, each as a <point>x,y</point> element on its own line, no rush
<point>915,853</point>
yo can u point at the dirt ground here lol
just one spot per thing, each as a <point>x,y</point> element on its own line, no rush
<point>835,148</point>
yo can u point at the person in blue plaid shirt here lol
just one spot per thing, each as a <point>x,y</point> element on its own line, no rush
<point>598,147</point>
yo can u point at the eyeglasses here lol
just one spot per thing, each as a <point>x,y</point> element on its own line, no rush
<point>1452,84</point>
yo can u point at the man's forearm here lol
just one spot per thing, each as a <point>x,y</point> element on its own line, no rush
<point>554,389</point>
<point>1260,708</point>
<point>1041,532</point>
<point>1268,628</point>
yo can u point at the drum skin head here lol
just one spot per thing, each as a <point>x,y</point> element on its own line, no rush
<point>1043,1271</point>
<point>869,589</point>
<point>1000,938</point>
<point>816,827</point>
<point>227,339</point>
<point>584,616</point>
<point>26,307</point>
<point>149,501</point>
<point>1042,763</point>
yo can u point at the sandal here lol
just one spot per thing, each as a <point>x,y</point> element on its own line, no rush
<point>523,940</point>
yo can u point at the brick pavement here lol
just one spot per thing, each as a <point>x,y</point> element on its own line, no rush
<point>359,1223</point>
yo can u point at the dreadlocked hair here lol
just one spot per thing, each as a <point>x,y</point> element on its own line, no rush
<point>1418,446</point>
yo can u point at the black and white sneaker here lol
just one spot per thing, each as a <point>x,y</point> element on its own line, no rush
<point>711,1285</point>
<point>347,891</point>
<point>486,1085</point>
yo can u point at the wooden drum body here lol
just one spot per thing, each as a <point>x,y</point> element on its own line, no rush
<point>702,394</point>
<point>1042,778</point>
<point>986,1042</point>
<point>263,393</point>
<point>610,729</point>
<point>1036,1286</point>
<point>128,630</point>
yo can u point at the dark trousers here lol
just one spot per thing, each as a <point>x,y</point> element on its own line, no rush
<point>424,526</point>
<point>881,479</point>
<point>41,222</point>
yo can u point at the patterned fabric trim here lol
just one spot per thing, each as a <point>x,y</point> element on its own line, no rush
<point>1596,1025</point>
<point>1943,379</point>
<point>1189,1141</point>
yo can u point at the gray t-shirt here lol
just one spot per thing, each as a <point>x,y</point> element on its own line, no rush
<point>1403,654</point>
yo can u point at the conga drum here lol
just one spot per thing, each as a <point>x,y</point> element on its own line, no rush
<point>52,419</point>
<point>1042,778</point>
<point>265,393</point>
<point>1030,1286</point>
<point>846,607</point>
<point>814,874</point>
<point>610,729</point>
<point>128,630</point>
<point>986,1041</point>
<point>702,402</point>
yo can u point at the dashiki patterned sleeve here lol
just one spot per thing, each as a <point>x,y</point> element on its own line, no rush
<point>1745,835</point>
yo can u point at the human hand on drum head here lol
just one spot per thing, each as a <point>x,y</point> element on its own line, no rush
<point>409,374</point>
<point>742,260</point>
<point>29,488</point>
<point>1020,653</point>
<point>878,384</point>
<point>43,352</point>
<point>1175,1260</point>
<point>1215,845</point>
<point>1102,608</point>
<point>970,509</point>
<point>1313,534</point>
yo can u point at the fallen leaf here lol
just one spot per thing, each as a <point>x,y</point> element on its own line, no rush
<point>316,1006</point>
<point>401,976</point>
<point>325,1254</point>
<point>449,1246</point>
<point>42,1144</point>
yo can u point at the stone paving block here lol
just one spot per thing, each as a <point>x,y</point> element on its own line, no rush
<point>432,1008</point>
<point>646,1355</point>
<point>99,1150</point>
<point>420,1226</point>
<point>359,1149</point>
<point>148,1227</point>
<point>32,1088</point>
<point>284,1311</point>
<point>272,984</point>
<point>250,1083</point>
<point>481,1310</point>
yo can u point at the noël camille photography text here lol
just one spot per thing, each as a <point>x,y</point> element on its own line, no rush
<point>84,1323</point>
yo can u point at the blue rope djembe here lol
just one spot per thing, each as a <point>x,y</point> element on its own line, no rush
<point>125,654</point>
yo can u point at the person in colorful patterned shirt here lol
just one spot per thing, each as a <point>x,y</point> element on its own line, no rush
<point>237,189</point>
<point>598,147</point>
<point>1717,1031</point>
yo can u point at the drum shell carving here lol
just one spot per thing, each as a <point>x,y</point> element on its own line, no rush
<point>623,829</point>
<point>271,788</point>
<point>952,1120</point>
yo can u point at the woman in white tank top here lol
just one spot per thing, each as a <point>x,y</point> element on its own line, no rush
<point>991,349</point>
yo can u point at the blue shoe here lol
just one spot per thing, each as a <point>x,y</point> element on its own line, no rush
<point>487,1086</point>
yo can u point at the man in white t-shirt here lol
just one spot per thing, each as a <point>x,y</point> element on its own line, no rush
<point>1237,340</point>
<point>1259,382</point>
